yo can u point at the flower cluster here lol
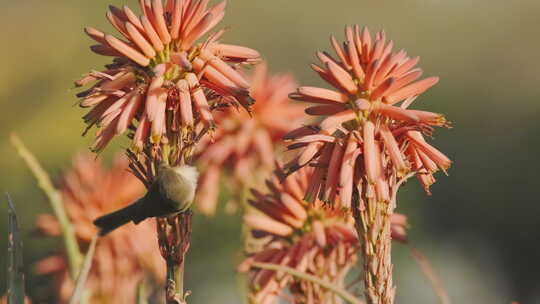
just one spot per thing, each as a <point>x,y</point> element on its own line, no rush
<point>245,144</point>
<point>121,260</point>
<point>162,88</point>
<point>311,238</point>
<point>368,138</point>
<point>368,142</point>
<point>161,81</point>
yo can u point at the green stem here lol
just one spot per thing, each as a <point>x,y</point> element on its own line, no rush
<point>174,237</point>
<point>345,295</point>
<point>79,292</point>
<point>179,275</point>
<point>175,273</point>
<point>141,293</point>
<point>55,199</point>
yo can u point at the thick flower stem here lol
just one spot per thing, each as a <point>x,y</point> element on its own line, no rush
<point>179,275</point>
<point>373,227</point>
<point>174,235</point>
<point>175,282</point>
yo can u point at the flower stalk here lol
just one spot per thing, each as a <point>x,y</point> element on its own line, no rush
<point>431,275</point>
<point>79,292</point>
<point>174,237</point>
<point>342,293</point>
<point>373,227</point>
<point>55,199</point>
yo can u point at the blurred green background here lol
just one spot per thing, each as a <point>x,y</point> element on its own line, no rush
<point>481,227</point>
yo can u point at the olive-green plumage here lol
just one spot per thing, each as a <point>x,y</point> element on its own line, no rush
<point>172,192</point>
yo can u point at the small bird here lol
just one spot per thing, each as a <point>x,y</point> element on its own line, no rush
<point>172,192</point>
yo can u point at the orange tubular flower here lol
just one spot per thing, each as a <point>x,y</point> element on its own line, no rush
<point>310,238</point>
<point>364,132</point>
<point>160,78</point>
<point>245,143</point>
<point>121,260</point>
<point>368,142</point>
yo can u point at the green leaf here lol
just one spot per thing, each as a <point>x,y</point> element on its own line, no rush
<point>15,271</point>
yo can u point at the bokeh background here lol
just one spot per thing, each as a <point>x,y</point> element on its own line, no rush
<point>481,227</point>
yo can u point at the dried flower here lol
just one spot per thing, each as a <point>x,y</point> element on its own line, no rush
<point>121,260</point>
<point>161,78</point>
<point>310,238</point>
<point>245,144</point>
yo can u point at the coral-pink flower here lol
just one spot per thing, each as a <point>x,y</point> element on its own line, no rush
<point>368,137</point>
<point>121,260</point>
<point>162,81</point>
<point>311,238</point>
<point>245,143</point>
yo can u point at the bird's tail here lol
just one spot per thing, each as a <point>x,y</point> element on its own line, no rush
<point>113,220</point>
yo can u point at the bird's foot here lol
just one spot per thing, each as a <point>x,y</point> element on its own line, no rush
<point>173,297</point>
